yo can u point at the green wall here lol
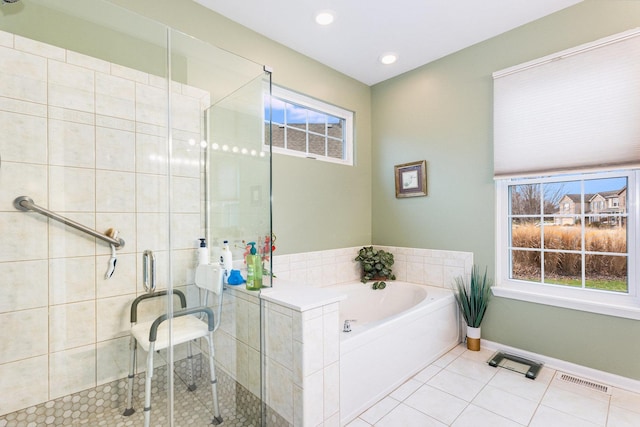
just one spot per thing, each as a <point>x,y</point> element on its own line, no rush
<point>317,205</point>
<point>442,112</point>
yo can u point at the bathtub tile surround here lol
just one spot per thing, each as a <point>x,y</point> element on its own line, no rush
<point>76,132</point>
<point>449,392</point>
<point>302,329</point>
<point>302,364</point>
<point>421,266</point>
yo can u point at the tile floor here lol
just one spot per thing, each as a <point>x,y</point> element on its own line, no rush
<point>460,389</point>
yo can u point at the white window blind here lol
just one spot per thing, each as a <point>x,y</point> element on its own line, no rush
<point>575,110</point>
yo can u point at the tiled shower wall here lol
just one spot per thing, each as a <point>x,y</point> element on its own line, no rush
<point>87,139</point>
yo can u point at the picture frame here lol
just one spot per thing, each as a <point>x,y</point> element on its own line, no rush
<point>411,179</point>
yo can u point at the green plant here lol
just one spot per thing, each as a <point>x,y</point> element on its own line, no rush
<point>375,263</point>
<point>473,297</point>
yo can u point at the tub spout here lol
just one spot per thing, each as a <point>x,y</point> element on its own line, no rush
<point>347,325</point>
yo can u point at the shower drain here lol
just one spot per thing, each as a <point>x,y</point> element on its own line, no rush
<point>583,383</point>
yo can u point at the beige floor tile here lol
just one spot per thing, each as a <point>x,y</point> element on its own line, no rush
<point>518,384</point>
<point>379,410</point>
<point>621,417</point>
<point>458,385</point>
<point>508,405</point>
<point>436,403</point>
<point>404,416</point>
<point>549,417</point>
<point>578,405</point>
<point>474,416</point>
<point>406,389</point>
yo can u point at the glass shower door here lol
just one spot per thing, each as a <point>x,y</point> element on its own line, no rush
<point>103,117</point>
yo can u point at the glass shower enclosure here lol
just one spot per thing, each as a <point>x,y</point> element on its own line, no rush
<point>127,137</point>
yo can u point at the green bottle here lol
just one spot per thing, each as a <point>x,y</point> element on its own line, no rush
<point>254,269</point>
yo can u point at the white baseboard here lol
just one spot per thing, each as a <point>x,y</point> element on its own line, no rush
<point>603,377</point>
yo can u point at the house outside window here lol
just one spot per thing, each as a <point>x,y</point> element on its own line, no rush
<point>302,126</point>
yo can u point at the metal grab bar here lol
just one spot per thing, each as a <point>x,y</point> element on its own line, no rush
<point>24,203</point>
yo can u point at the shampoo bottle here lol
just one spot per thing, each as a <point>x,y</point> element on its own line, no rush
<point>226,261</point>
<point>254,269</point>
<point>203,252</point>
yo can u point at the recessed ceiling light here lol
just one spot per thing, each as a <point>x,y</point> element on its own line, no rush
<point>325,17</point>
<point>388,58</point>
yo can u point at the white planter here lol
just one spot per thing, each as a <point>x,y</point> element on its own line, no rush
<point>473,338</point>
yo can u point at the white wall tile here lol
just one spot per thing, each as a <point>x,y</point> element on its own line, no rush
<point>24,76</point>
<point>113,191</point>
<point>71,325</point>
<point>65,241</point>
<point>313,353</point>
<point>16,343</point>
<point>39,48</point>
<point>313,399</point>
<point>22,179</point>
<point>129,73</point>
<point>113,317</point>
<point>280,389</point>
<point>151,154</point>
<point>112,360</point>
<point>115,96</point>
<point>279,340</point>
<point>23,236</point>
<point>185,229</point>
<point>71,86</point>
<point>152,231</point>
<point>123,280</point>
<point>71,144</point>
<point>115,149</point>
<point>186,158</point>
<point>331,389</point>
<point>24,383</point>
<point>64,375</point>
<point>71,189</point>
<point>151,105</point>
<point>24,285</point>
<point>331,337</point>
<point>86,61</point>
<point>72,279</point>
<point>24,138</point>
<point>186,113</point>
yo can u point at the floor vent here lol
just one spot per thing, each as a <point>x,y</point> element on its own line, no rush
<point>583,383</point>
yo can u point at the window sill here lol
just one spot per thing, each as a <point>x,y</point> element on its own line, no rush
<point>618,310</point>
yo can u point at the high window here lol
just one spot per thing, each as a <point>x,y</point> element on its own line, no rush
<point>306,127</point>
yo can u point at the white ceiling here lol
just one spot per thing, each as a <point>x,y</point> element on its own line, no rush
<point>419,31</point>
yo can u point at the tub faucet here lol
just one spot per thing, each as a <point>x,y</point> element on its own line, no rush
<point>347,325</point>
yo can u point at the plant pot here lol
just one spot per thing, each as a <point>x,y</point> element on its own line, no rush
<point>473,338</point>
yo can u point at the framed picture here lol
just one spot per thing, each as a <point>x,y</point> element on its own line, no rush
<point>411,179</point>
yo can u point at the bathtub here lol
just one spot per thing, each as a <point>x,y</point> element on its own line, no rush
<point>396,333</point>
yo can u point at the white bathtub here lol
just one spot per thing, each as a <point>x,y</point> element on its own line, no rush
<point>398,331</point>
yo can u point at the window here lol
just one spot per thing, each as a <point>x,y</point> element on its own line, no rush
<point>567,167</point>
<point>569,257</point>
<point>306,127</point>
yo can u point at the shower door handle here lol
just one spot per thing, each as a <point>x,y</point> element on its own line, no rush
<point>149,271</point>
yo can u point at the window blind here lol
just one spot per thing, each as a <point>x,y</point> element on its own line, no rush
<point>576,110</point>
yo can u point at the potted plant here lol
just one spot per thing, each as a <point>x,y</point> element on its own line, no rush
<point>376,264</point>
<point>472,298</point>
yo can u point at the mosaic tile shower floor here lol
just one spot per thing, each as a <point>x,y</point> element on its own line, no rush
<point>103,406</point>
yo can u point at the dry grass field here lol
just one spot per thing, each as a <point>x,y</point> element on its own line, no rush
<point>603,271</point>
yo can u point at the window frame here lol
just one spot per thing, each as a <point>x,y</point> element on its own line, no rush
<point>625,305</point>
<point>323,107</point>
